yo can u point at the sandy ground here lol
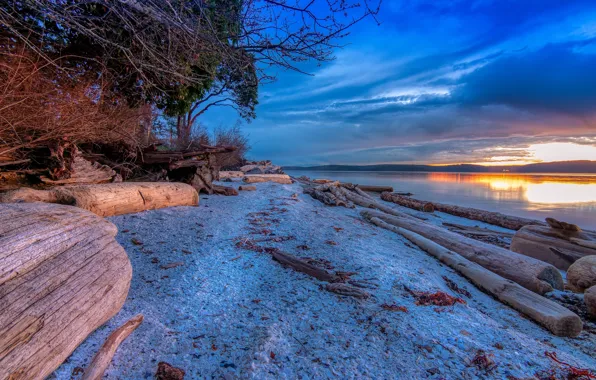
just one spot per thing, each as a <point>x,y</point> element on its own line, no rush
<point>230,312</point>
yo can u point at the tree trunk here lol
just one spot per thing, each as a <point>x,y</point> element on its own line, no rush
<point>62,275</point>
<point>408,202</point>
<point>555,246</point>
<point>530,273</point>
<point>113,198</point>
<point>556,318</point>
<point>278,178</point>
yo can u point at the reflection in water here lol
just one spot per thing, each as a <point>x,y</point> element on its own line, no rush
<point>551,189</point>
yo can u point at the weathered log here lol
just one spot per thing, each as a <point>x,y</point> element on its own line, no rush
<point>370,202</point>
<point>247,188</point>
<point>225,190</point>
<point>556,318</point>
<point>362,193</point>
<point>581,275</point>
<point>113,198</point>
<point>321,181</point>
<point>530,273</point>
<point>342,200</point>
<point>375,189</point>
<point>62,275</point>
<point>590,300</point>
<point>555,246</point>
<point>560,225</point>
<point>408,202</point>
<point>303,266</point>
<point>103,357</point>
<point>323,197</point>
<point>278,178</point>
<point>347,290</point>
<point>230,174</point>
<point>474,230</point>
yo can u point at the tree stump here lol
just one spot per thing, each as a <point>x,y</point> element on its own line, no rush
<point>62,275</point>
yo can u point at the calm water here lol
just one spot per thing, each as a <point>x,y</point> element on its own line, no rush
<point>571,198</point>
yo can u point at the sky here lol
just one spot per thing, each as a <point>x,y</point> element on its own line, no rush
<point>440,82</point>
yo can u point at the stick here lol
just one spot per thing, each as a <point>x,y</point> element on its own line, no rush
<point>104,356</point>
<point>302,266</point>
<point>556,318</point>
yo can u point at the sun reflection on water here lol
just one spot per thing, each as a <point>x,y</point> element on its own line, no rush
<point>546,189</point>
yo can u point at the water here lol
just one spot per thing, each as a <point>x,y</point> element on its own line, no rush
<point>571,198</point>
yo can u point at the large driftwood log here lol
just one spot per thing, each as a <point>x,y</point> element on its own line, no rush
<point>530,273</point>
<point>278,178</point>
<point>62,275</point>
<point>86,172</point>
<point>556,318</point>
<point>103,357</point>
<point>408,202</point>
<point>558,247</point>
<point>323,197</point>
<point>375,189</point>
<point>113,198</point>
<point>369,202</point>
<point>494,218</point>
<point>224,190</point>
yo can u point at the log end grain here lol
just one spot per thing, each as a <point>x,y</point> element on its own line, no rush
<point>582,274</point>
<point>590,300</point>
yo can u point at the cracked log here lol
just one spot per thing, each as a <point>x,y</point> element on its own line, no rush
<point>533,274</point>
<point>113,198</point>
<point>556,318</point>
<point>62,275</point>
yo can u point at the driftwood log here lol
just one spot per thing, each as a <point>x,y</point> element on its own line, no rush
<point>590,300</point>
<point>408,202</point>
<point>278,178</point>
<point>103,357</point>
<point>369,202</point>
<point>494,218</point>
<point>86,172</point>
<point>559,247</point>
<point>556,318</point>
<point>303,266</point>
<point>113,198</point>
<point>530,273</point>
<point>224,190</point>
<point>375,189</point>
<point>62,275</point>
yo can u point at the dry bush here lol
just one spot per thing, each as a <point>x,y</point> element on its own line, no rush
<point>43,106</point>
<point>232,137</point>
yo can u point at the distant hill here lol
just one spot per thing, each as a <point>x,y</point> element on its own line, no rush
<point>588,167</point>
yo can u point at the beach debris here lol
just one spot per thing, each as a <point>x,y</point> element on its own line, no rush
<point>581,275</point>
<point>375,189</point>
<point>484,361</point>
<point>556,318</point>
<point>394,307</point>
<point>347,290</point>
<point>303,247</point>
<point>590,300</point>
<point>303,266</point>
<point>560,225</point>
<point>529,272</point>
<point>454,287</point>
<point>166,371</point>
<point>558,247</point>
<point>408,202</point>
<point>247,188</point>
<point>104,356</point>
<point>574,372</point>
<point>62,275</point>
<point>331,242</point>
<point>136,241</point>
<point>435,299</point>
<point>172,265</point>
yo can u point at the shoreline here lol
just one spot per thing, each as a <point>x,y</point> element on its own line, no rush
<point>230,311</point>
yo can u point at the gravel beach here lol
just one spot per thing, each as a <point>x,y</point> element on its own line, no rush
<point>217,306</point>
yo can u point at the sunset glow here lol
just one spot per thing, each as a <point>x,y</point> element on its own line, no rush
<point>562,152</point>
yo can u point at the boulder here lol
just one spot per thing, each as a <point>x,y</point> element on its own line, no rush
<point>590,300</point>
<point>581,275</point>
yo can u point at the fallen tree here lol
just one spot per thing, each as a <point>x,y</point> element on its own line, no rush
<point>556,318</point>
<point>559,247</point>
<point>62,275</point>
<point>113,198</point>
<point>530,273</point>
<point>494,218</point>
<point>408,202</point>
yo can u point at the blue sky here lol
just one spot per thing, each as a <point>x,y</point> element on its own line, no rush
<point>438,82</point>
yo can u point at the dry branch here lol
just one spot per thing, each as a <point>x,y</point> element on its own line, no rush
<point>303,266</point>
<point>103,357</point>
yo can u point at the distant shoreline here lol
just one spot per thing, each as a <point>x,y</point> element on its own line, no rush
<point>564,167</point>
